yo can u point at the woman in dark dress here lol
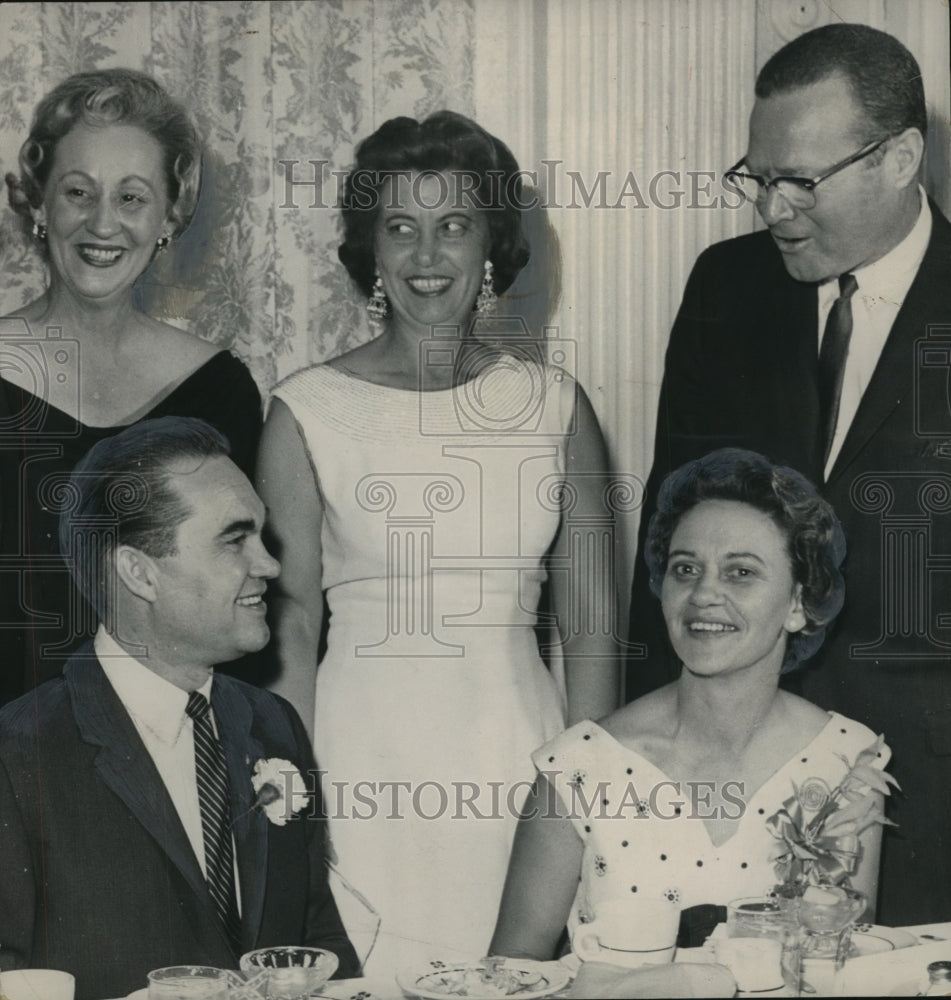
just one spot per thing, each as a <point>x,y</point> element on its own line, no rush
<point>109,176</point>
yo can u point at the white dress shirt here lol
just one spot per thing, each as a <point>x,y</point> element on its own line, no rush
<point>882,287</point>
<point>157,708</point>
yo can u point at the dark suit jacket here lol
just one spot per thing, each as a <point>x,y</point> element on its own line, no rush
<point>741,370</point>
<point>97,876</point>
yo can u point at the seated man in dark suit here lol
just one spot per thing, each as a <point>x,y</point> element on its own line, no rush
<point>824,342</point>
<point>133,833</point>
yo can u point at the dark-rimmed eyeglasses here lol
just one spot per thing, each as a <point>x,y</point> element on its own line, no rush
<point>800,192</point>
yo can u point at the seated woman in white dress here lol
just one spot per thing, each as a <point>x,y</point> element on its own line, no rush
<point>671,796</point>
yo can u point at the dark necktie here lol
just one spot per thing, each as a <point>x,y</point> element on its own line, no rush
<point>215,817</point>
<point>832,358</point>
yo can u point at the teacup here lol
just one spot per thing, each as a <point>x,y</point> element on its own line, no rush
<point>629,933</point>
<point>37,984</point>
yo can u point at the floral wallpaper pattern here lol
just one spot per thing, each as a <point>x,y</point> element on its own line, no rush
<point>291,80</point>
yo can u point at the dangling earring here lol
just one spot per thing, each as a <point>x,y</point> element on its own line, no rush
<point>377,304</point>
<point>39,232</point>
<point>162,243</point>
<point>487,299</point>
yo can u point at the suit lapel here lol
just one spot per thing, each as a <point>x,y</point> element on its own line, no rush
<point>892,382</point>
<point>125,766</point>
<point>796,317</point>
<point>234,717</point>
<point>890,385</point>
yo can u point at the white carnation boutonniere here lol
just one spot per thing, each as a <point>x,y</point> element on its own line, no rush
<point>279,789</point>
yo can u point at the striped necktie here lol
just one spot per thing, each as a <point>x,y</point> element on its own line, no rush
<point>833,354</point>
<point>215,817</point>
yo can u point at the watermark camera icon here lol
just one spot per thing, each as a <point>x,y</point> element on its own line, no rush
<point>933,389</point>
<point>503,396</point>
<point>44,367</point>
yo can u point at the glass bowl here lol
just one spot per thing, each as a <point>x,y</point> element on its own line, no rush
<point>290,971</point>
<point>828,909</point>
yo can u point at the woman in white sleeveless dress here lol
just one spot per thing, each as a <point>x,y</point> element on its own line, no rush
<point>692,779</point>
<point>428,481</point>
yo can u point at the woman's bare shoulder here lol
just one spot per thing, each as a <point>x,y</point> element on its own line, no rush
<point>363,360</point>
<point>169,335</point>
<point>31,314</point>
<point>803,716</point>
<point>173,351</point>
<point>647,718</point>
<point>377,362</point>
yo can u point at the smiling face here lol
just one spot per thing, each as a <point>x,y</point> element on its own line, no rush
<point>208,606</point>
<point>859,215</point>
<point>105,204</point>
<point>430,243</point>
<point>728,594</point>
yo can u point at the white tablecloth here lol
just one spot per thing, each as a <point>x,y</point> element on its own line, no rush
<point>872,976</point>
<point>890,973</point>
<point>897,973</point>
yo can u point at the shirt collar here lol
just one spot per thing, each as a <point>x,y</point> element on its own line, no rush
<point>151,700</point>
<point>889,278</point>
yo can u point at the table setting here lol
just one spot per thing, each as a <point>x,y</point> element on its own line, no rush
<point>754,944</point>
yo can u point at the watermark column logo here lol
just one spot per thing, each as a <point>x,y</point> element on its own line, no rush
<point>510,406</point>
<point>913,505</point>
<point>590,564</point>
<point>88,551</point>
<point>36,369</point>
<point>907,504</point>
<point>410,503</point>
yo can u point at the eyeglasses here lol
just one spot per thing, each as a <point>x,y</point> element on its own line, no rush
<point>800,192</point>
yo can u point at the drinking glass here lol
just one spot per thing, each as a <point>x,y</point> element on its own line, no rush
<point>762,944</point>
<point>189,982</point>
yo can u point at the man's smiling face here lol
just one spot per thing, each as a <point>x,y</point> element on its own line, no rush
<point>209,606</point>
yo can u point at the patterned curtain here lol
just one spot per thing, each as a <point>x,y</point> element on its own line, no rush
<point>281,92</point>
<point>655,90</point>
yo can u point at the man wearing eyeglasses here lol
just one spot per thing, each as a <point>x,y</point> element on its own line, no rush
<point>824,342</point>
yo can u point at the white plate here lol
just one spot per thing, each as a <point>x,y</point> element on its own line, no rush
<point>877,975</point>
<point>461,979</point>
<point>38,984</point>
<point>142,994</point>
<point>870,939</point>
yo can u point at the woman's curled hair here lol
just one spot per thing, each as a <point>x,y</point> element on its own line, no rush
<point>444,142</point>
<point>111,97</point>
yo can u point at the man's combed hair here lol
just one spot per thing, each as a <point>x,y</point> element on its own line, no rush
<point>444,142</point>
<point>121,493</point>
<point>884,76</point>
<point>814,538</point>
